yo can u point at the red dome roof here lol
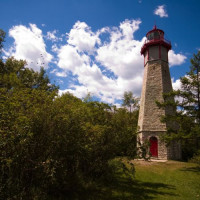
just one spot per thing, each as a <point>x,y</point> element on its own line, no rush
<point>155,30</point>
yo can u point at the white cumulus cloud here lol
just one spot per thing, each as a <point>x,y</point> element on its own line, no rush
<point>176,59</point>
<point>69,59</point>
<point>51,35</point>
<point>176,84</point>
<point>82,37</point>
<point>122,54</point>
<point>161,11</point>
<point>30,46</point>
<point>117,65</point>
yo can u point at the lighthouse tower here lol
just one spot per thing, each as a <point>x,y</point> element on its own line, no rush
<point>156,81</point>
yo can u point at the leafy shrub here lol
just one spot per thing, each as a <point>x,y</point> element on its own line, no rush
<point>50,146</point>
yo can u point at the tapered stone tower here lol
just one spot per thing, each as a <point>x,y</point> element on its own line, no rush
<point>156,81</point>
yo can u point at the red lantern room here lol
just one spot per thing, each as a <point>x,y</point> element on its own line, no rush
<point>156,47</point>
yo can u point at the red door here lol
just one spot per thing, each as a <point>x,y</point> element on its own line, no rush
<point>154,147</point>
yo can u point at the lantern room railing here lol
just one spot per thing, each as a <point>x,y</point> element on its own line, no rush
<point>156,41</point>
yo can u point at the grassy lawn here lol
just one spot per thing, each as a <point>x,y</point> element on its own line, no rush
<point>152,180</point>
<point>169,180</point>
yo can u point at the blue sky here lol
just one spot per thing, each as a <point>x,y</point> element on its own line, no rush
<point>94,45</point>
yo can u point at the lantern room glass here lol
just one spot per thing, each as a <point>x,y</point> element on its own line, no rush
<point>155,35</point>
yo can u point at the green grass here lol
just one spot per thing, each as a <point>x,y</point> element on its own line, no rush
<point>170,180</point>
<point>152,180</point>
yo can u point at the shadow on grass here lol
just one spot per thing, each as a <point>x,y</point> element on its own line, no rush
<point>124,187</point>
<point>191,169</point>
<point>128,190</point>
<point>120,184</point>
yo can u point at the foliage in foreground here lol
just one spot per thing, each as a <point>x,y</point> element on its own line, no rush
<point>50,145</point>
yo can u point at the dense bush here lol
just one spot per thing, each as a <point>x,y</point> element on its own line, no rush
<point>52,146</point>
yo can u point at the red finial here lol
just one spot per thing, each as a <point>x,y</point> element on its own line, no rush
<point>155,27</point>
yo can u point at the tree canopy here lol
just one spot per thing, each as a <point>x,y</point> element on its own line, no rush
<point>50,145</point>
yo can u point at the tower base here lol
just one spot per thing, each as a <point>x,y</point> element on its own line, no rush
<point>157,148</point>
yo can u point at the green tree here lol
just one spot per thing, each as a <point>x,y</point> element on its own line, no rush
<point>49,145</point>
<point>130,101</point>
<point>125,121</point>
<point>191,88</point>
<point>25,99</point>
<point>14,75</point>
<point>124,132</point>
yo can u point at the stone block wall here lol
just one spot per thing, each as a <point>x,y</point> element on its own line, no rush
<point>162,149</point>
<point>156,81</point>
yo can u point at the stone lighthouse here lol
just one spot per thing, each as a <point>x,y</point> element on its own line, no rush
<point>156,81</point>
